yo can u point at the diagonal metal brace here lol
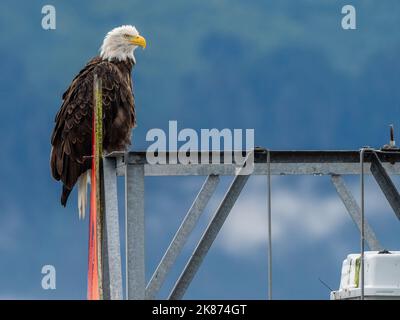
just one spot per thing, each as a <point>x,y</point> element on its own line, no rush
<point>385,183</point>
<point>208,237</point>
<point>181,236</point>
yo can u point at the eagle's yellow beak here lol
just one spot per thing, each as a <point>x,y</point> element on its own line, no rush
<point>138,41</point>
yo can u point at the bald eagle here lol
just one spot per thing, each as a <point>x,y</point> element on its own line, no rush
<point>72,135</point>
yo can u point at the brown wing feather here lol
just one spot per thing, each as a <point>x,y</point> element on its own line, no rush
<point>71,138</point>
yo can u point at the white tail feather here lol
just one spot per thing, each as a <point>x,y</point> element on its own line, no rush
<point>83,181</point>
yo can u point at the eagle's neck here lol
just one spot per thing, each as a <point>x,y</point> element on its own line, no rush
<point>125,66</point>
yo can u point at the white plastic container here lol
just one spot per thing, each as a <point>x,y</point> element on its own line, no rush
<point>382,277</point>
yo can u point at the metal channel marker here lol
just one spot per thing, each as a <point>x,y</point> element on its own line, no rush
<point>133,165</point>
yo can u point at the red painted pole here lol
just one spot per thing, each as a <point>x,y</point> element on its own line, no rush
<point>93,276</point>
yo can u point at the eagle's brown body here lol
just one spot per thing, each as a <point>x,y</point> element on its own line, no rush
<point>72,136</point>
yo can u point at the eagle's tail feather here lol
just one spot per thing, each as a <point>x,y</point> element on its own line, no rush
<point>83,181</point>
<point>64,195</point>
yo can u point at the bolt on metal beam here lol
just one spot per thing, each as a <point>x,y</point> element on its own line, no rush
<point>181,236</point>
<point>355,212</point>
<point>134,228</point>
<point>385,183</point>
<point>208,237</point>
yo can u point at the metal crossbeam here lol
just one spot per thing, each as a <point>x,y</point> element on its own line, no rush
<point>277,169</point>
<point>277,156</point>
<point>385,183</point>
<point>208,237</point>
<point>355,212</point>
<point>181,236</point>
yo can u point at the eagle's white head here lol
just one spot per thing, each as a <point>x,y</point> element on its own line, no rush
<point>120,43</point>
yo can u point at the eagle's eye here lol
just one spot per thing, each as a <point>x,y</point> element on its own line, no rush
<point>127,36</point>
